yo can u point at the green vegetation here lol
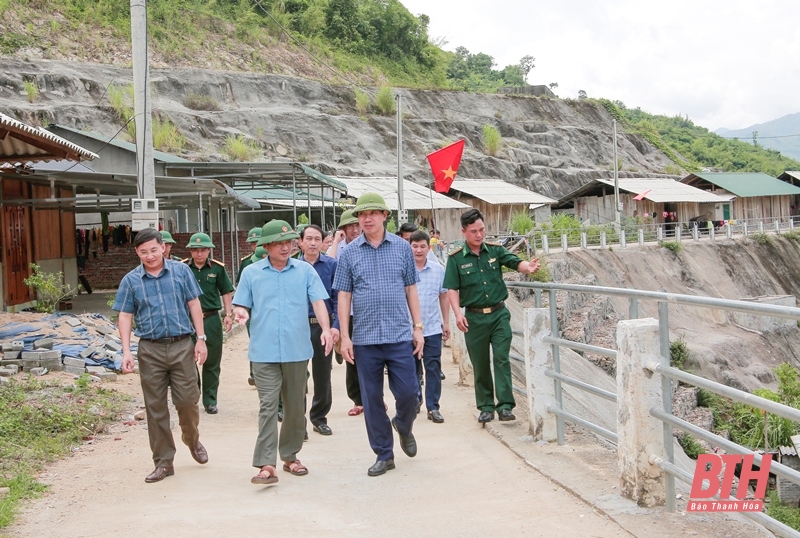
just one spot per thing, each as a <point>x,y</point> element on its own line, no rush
<point>674,246</point>
<point>692,147</point>
<point>761,239</point>
<point>50,289</point>
<point>362,101</point>
<point>240,148</point>
<point>788,515</point>
<point>31,90</point>
<point>384,102</point>
<point>391,226</point>
<point>491,140</point>
<point>200,101</point>
<point>521,223</point>
<point>475,72</point>
<point>678,354</point>
<point>690,446</point>
<point>121,100</point>
<point>42,422</point>
<point>792,236</point>
<point>542,274</point>
<point>302,219</point>
<point>166,136</point>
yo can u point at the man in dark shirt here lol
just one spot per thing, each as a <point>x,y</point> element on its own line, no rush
<point>310,244</point>
<point>163,297</point>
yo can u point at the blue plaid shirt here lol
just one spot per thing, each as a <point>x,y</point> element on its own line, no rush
<point>377,278</point>
<point>431,278</point>
<point>159,303</point>
<point>278,303</point>
<point>325,266</point>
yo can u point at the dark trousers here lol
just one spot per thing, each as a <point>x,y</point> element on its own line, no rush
<point>399,361</point>
<point>322,399</point>
<point>431,364</point>
<point>351,378</point>
<point>211,368</point>
<point>172,366</point>
<point>485,331</point>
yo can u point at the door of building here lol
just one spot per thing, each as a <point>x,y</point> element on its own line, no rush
<point>16,245</point>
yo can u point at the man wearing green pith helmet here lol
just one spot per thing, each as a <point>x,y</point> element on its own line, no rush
<point>168,242</point>
<point>252,237</point>
<point>217,292</point>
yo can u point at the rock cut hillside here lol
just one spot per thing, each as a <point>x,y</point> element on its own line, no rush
<point>551,146</point>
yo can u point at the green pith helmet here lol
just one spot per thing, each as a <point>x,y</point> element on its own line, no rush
<point>276,230</point>
<point>370,201</point>
<point>254,234</point>
<point>301,227</point>
<point>167,237</point>
<point>200,240</point>
<point>259,254</point>
<point>347,218</point>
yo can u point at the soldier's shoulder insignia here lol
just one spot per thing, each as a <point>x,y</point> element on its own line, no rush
<point>246,257</point>
<point>493,244</point>
<point>217,262</point>
<point>185,260</point>
<point>456,250</point>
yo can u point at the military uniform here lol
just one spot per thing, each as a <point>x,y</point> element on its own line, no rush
<point>482,292</point>
<point>167,238</point>
<point>214,282</point>
<point>252,237</point>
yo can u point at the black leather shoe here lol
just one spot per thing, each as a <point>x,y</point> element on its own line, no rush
<point>280,416</point>
<point>212,409</point>
<point>485,416</point>
<point>435,416</point>
<point>505,414</point>
<point>323,429</point>
<point>251,381</point>
<point>160,473</point>
<point>199,453</point>
<point>380,467</point>
<point>442,376</point>
<point>407,442</point>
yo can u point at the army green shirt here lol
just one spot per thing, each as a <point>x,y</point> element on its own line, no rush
<point>175,258</point>
<point>479,279</point>
<point>214,282</point>
<point>244,262</point>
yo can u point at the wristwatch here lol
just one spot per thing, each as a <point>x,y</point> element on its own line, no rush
<point>202,337</point>
<point>419,326</point>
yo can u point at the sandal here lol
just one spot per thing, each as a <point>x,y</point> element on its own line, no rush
<point>295,467</point>
<point>355,411</point>
<point>267,475</point>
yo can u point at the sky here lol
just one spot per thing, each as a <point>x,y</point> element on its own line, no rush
<point>731,63</point>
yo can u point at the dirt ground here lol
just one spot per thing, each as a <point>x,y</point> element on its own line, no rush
<point>463,481</point>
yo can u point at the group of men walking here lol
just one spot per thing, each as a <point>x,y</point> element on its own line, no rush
<point>380,298</point>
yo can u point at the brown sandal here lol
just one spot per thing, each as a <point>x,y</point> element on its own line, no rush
<point>295,467</point>
<point>267,475</point>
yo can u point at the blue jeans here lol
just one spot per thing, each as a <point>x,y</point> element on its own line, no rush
<point>432,364</point>
<point>399,361</point>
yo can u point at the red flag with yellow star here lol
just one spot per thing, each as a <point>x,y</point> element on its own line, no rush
<point>444,165</point>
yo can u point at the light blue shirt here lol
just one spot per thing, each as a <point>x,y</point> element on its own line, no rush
<point>377,278</point>
<point>431,278</point>
<point>278,303</point>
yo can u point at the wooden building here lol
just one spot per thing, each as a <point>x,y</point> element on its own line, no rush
<point>793,178</point>
<point>757,196</point>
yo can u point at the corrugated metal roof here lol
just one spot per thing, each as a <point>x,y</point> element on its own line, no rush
<point>246,176</point>
<point>743,184</point>
<point>499,192</point>
<point>789,175</point>
<point>787,451</point>
<point>22,143</point>
<point>157,155</point>
<point>657,190</point>
<point>415,196</point>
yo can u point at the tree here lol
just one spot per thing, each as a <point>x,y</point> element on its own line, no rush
<point>526,65</point>
<point>582,94</point>
<point>553,85</point>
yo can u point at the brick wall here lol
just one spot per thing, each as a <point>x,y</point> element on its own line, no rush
<point>107,269</point>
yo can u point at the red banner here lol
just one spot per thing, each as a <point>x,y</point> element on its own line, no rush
<point>444,165</point>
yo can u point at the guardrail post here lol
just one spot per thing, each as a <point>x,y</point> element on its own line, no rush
<point>728,230</point>
<point>555,351</point>
<point>791,224</point>
<point>583,240</point>
<point>744,229</point>
<point>761,226</point>
<point>777,226</point>
<point>695,233</point>
<point>603,239</point>
<point>540,388</point>
<point>622,241</point>
<point>660,233</point>
<point>545,244</point>
<point>641,237</point>
<point>564,242</point>
<point>711,233</point>
<point>637,391</point>
<point>633,308</point>
<point>537,297</point>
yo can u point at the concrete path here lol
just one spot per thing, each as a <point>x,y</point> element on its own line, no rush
<point>463,482</point>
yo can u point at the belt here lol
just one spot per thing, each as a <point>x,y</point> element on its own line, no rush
<point>487,310</point>
<point>209,313</point>
<point>167,339</point>
<point>313,321</point>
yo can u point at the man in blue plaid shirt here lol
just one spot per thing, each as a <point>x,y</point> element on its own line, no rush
<point>376,276</point>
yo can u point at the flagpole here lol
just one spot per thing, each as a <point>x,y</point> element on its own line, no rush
<point>433,220</point>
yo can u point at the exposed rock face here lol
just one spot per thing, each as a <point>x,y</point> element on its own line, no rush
<point>551,146</point>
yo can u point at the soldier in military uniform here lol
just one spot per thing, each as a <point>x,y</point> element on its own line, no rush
<point>252,237</point>
<point>474,280</point>
<point>217,291</point>
<point>168,242</point>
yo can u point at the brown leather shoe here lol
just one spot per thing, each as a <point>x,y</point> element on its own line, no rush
<point>199,453</point>
<point>160,473</point>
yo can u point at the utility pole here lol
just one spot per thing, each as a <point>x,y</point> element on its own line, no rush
<point>145,173</point>
<point>402,214</point>
<point>616,180</point>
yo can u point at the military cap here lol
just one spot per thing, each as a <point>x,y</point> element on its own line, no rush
<point>167,237</point>
<point>259,254</point>
<point>254,234</point>
<point>370,201</point>
<point>276,230</point>
<point>200,240</point>
<point>347,218</point>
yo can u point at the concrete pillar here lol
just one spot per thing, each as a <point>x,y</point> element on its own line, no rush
<point>540,388</point>
<point>564,242</point>
<point>622,241</point>
<point>660,233</point>
<point>638,390</point>
<point>583,240</point>
<point>641,237</point>
<point>603,239</point>
<point>728,230</point>
<point>545,244</point>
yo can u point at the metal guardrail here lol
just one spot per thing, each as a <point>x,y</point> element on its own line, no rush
<point>667,373</point>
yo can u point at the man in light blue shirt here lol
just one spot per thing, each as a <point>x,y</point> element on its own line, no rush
<point>435,308</point>
<point>274,293</point>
